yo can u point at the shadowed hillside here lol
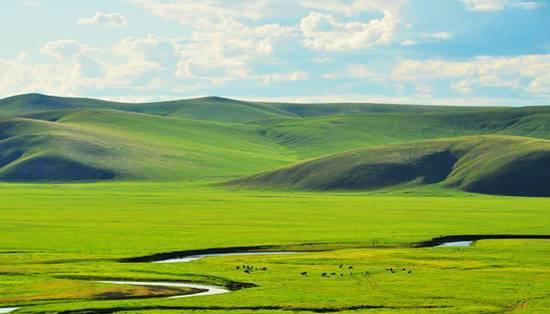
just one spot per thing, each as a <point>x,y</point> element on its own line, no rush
<point>77,145</point>
<point>483,164</point>
<point>56,139</point>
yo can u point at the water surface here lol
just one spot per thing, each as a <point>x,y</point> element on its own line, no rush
<point>210,289</point>
<point>456,244</point>
<point>190,258</point>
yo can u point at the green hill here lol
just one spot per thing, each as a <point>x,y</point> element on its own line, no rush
<point>57,139</point>
<point>211,108</point>
<point>317,136</point>
<point>208,108</point>
<point>93,144</point>
<point>485,164</point>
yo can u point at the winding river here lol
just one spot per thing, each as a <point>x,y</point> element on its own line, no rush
<point>190,258</point>
<point>456,244</point>
<point>205,289</point>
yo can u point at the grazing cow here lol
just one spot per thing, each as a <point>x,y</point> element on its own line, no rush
<point>409,272</point>
<point>238,267</point>
<point>351,267</point>
<point>341,266</point>
<point>323,274</point>
<point>304,273</point>
<point>333,274</point>
<point>247,271</point>
<point>264,268</point>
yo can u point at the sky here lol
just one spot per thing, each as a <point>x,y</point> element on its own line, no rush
<point>444,52</point>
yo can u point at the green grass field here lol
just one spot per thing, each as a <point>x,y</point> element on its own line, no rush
<point>86,183</point>
<point>52,240</point>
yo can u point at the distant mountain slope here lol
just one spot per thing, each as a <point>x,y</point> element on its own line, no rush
<point>210,108</point>
<point>317,136</point>
<point>56,139</point>
<point>504,165</point>
<point>76,145</point>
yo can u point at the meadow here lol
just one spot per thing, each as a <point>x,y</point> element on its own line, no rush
<point>53,252</point>
<point>87,184</point>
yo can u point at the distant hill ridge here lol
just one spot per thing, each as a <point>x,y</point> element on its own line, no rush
<point>211,108</point>
<point>503,165</point>
<point>56,139</point>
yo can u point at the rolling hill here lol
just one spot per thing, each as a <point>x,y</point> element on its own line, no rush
<point>504,165</point>
<point>207,108</point>
<point>91,144</point>
<point>211,108</point>
<point>318,136</point>
<point>56,139</point>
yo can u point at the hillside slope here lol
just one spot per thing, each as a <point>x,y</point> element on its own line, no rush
<point>211,108</point>
<point>56,139</point>
<point>76,145</point>
<point>317,136</point>
<point>207,108</point>
<point>504,165</point>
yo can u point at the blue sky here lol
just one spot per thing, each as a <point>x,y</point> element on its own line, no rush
<point>450,52</point>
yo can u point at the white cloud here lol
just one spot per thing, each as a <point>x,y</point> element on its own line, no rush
<point>224,39</point>
<point>148,53</point>
<point>484,5</point>
<point>464,86</point>
<point>149,63</point>
<point>352,8</point>
<point>282,77</point>
<point>528,73</point>
<point>78,67</point>
<point>205,18</point>
<point>202,13</point>
<point>437,35</point>
<point>107,19</point>
<point>426,37</point>
<point>497,5</point>
<point>63,49</point>
<point>229,51</point>
<point>325,32</point>
<point>357,71</point>
<point>22,75</point>
<point>526,5</point>
<point>409,42</point>
<point>240,42</point>
<point>331,25</point>
<point>394,99</point>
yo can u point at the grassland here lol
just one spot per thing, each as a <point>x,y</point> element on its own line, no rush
<point>485,164</point>
<point>54,244</point>
<point>152,178</point>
